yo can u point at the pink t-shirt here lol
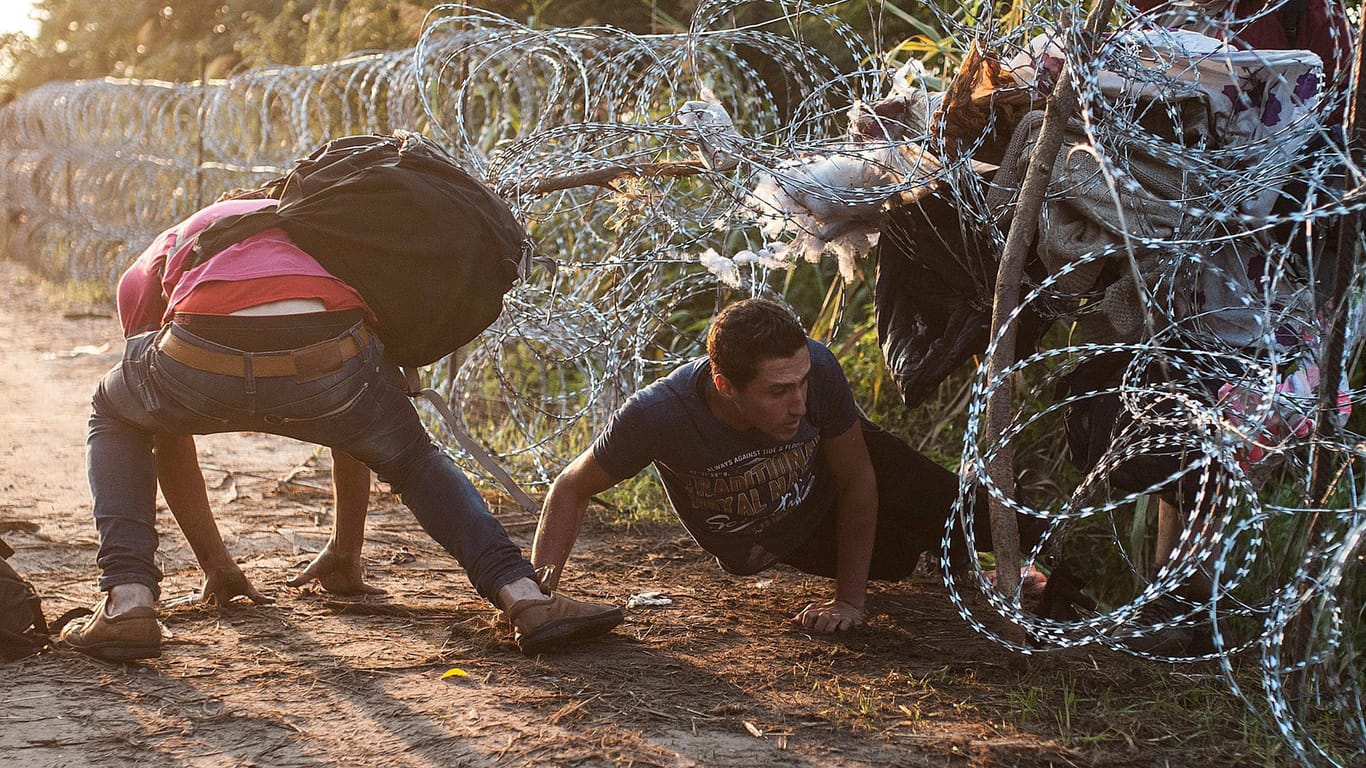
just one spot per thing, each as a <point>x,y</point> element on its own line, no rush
<point>158,282</point>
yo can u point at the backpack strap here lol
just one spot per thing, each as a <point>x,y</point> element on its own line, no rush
<point>66,618</point>
<point>230,230</point>
<point>15,646</point>
<point>415,390</point>
<point>35,605</point>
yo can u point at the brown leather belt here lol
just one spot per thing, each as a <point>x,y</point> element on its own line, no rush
<point>304,363</point>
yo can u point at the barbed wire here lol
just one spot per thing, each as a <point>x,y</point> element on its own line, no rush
<point>1182,269</point>
<point>1208,388</point>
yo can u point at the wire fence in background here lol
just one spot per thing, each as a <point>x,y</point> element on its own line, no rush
<point>1176,314</point>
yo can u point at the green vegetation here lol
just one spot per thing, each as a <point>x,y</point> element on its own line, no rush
<point>183,40</point>
<point>1126,705</point>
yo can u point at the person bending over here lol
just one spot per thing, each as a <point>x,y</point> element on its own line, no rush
<point>766,459</point>
<point>261,338</point>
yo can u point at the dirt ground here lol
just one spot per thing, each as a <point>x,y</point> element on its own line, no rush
<point>715,678</point>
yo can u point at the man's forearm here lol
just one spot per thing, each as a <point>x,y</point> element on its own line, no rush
<point>561,518</point>
<point>856,527</point>
<point>182,483</point>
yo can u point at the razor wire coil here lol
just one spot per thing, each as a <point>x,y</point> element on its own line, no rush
<point>91,170</point>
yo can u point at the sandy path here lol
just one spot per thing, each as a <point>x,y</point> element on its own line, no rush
<point>716,678</point>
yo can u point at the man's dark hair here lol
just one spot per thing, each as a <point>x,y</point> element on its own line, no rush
<point>749,332</point>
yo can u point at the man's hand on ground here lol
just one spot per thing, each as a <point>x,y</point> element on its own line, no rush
<point>338,574</point>
<point>221,585</point>
<point>829,616</point>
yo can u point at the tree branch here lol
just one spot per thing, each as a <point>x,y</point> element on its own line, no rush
<point>1024,225</point>
<point>603,177</point>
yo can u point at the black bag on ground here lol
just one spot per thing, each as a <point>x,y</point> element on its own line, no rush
<point>23,631</point>
<point>429,248</point>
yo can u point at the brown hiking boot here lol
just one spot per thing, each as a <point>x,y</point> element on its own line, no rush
<point>133,634</point>
<point>544,625</point>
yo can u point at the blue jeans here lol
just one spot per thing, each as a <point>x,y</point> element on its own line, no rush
<point>361,408</point>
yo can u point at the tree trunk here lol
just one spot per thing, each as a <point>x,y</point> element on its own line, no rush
<point>1024,225</point>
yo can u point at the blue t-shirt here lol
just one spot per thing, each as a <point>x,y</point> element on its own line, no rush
<point>746,498</point>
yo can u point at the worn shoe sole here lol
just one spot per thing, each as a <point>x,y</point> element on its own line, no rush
<point>118,651</point>
<point>108,650</point>
<point>568,630</point>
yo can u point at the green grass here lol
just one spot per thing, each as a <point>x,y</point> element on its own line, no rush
<point>79,293</point>
<point>639,500</point>
<point>1127,701</point>
<point>873,704</point>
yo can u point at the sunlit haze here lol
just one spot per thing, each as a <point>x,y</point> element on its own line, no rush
<point>14,17</point>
